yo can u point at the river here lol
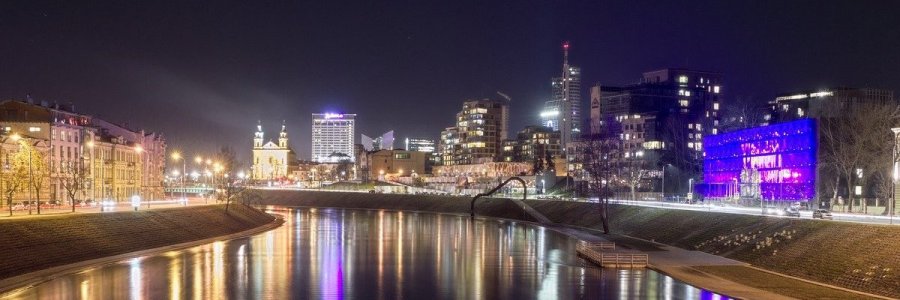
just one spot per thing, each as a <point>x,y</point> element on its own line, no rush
<point>369,254</point>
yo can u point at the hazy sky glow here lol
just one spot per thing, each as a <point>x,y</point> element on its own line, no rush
<point>204,73</point>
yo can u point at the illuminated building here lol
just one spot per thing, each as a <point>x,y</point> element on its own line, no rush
<point>396,163</point>
<point>332,137</point>
<point>481,126</point>
<point>421,145</point>
<point>772,163</point>
<point>531,143</point>
<point>383,142</point>
<point>271,161</point>
<point>665,117</point>
<point>825,103</point>
<point>563,111</point>
<point>118,162</point>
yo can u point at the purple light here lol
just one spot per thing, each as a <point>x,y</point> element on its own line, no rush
<point>783,154</point>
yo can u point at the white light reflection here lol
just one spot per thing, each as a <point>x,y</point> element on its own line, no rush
<point>135,279</point>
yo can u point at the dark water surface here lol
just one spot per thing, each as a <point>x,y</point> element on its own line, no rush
<point>359,254</point>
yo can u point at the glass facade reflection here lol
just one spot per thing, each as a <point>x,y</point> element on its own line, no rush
<point>366,254</point>
<point>778,162</point>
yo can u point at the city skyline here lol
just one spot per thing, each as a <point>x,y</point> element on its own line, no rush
<point>269,64</point>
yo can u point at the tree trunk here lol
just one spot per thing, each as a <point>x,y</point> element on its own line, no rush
<point>850,193</point>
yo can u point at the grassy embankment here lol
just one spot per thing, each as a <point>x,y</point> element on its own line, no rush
<point>856,256</point>
<point>35,244</point>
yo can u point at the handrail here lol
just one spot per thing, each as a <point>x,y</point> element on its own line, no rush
<point>524,193</point>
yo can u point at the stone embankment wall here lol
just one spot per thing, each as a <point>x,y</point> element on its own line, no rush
<point>856,256</point>
<point>498,208</point>
<point>33,244</point>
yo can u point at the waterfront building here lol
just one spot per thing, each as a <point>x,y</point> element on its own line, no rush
<point>382,142</point>
<point>775,163</point>
<point>563,111</point>
<point>118,162</point>
<point>332,137</point>
<point>271,161</point>
<point>477,137</point>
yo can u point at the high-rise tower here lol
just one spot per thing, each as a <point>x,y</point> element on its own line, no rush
<point>563,111</point>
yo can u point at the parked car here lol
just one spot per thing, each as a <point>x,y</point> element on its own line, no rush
<point>792,212</point>
<point>822,214</point>
<point>20,206</point>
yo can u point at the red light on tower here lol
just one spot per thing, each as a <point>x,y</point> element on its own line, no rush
<point>566,45</point>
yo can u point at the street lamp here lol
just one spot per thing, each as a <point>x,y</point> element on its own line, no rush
<point>177,156</point>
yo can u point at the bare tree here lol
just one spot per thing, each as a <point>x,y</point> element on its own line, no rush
<point>742,113</point>
<point>858,139</point>
<point>230,186</point>
<point>599,153</point>
<point>635,169</point>
<point>74,179</point>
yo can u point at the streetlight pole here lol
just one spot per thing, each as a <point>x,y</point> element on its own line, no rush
<point>893,201</point>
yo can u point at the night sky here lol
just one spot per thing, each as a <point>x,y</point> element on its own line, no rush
<point>204,73</point>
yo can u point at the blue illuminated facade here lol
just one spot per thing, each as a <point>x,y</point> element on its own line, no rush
<point>781,158</point>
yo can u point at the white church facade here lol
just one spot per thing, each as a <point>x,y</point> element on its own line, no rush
<point>271,161</point>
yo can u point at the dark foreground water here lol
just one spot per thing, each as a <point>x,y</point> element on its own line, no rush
<point>358,254</point>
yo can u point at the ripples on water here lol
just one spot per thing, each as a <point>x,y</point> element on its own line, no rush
<point>360,254</point>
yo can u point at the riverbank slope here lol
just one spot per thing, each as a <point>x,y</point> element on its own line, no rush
<point>34,244</point>
<point>855,256</point>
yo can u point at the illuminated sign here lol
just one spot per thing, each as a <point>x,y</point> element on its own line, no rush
<point>551,113</point>
<point>777,161</point>
<point>333,116</point>
<point>804,96</point>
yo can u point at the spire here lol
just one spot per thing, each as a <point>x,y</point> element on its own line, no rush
<point>282,137</point>
<point>258,136</point>
<point>565,46</point>
<point>282,126</point>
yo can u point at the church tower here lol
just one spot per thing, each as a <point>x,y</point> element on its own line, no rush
<point>258,136</point>
<point>282,137</point>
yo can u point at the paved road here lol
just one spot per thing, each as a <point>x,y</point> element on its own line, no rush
<point>121,206</point>
<point>757,211</point>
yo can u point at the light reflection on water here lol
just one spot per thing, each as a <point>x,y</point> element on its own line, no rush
<point>358,254</point>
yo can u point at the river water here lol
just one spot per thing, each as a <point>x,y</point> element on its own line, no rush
<point>368,254</point>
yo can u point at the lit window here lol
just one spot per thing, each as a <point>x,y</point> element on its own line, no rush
<point>716,106</point>
<point>799,112</point>
<point>690,144</point>
<point>680,92</point>
<point>715,131</point>
<point>682,79</point>
<point>691,126</point>
<point>687,93</point>
<point>683,102</point>
<point>34,129</point>
<point>716,89</point>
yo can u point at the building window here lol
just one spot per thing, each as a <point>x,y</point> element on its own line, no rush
<point>683,102</point>
<point>401,155</point>
<point>716,89</point>
<point>34,129</point>
<point>682,79</point>
<point>716,106</point>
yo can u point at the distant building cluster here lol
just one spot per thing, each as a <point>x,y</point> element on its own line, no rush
<point>654,136</point>
<point>83,157</point>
